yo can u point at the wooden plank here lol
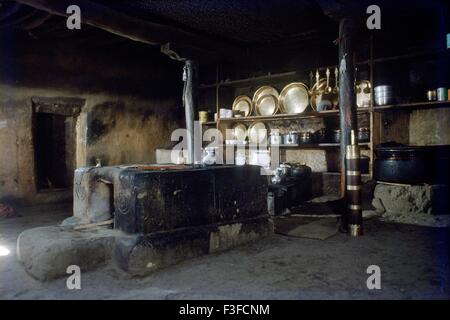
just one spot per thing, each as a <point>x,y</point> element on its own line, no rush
<point>94,225</point>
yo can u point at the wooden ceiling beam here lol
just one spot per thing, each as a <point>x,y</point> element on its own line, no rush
<point>136,29</point>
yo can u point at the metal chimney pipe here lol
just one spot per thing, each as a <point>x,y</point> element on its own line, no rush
<point>190,101</point>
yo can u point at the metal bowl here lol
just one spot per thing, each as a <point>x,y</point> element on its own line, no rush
<point>294,98</point>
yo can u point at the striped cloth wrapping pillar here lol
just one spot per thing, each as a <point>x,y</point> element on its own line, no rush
<point>353,188</point>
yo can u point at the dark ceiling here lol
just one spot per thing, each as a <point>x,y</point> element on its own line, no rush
<point>245,21</point>
<point>239,23</point>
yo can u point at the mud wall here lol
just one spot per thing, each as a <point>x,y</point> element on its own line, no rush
<point>132,103</point>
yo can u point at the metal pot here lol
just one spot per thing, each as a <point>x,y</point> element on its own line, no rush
<point>290,138</point>
<point>412,165</point>
<point>364,134</point>
<point>321,135</point>
<point>383,95</point>
<point>305,137</point>
<point>285,169</point>
<point>300,171</point>
<point>431,95</point>
<point>275,139</point>
<point>337,136</point>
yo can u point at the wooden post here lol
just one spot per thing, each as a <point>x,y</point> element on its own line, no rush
<point>190,99</point>
<point>347,98</point>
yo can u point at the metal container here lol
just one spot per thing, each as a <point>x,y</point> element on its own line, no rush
<point>203,116</point>
<point>431,95</point>
<point>290,138</point>
<point>442,94</point>
<point>320,135</point>
<point>301,171</point>
<point>336,136</point>
<point>413,164</point>
<point>286,169</point>
<point>305,137</point>
<point>364,134</point>
<point>383,95</point>
<point>275,139</point>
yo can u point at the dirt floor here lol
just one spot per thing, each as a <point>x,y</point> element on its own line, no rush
<point>414,264</point>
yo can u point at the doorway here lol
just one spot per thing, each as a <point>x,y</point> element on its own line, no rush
<point>54,142</point>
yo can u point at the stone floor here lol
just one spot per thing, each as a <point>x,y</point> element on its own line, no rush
<point>414,264</point>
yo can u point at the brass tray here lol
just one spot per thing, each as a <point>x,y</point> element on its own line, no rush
<point>263,91</point>
<point>266,105</point>
<point>244,104</point>
<point>294,98</point>
<point>257,133</point>
<point>239,132</point>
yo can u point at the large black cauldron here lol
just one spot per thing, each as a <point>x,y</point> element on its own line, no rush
<point>413,164</point>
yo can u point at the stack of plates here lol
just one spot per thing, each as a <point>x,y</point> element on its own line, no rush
<point>243,104</point>
<point>265,101</point>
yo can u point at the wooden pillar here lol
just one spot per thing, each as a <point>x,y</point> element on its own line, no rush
<point>190,100</point>
<point>347,98</point>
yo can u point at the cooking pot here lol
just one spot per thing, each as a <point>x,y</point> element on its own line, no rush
<point>320,135</point>
<point>412,164</point>
<point>285,169</point>
<point>300,171</point>
<point>337,136</point>
<point>275,139</point>
<point>364,134</point>
<point>290,138</point>
<point>383,95</point>
<point>305,137</point>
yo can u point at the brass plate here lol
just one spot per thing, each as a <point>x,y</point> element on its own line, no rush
<point>267,105</point>
<point>294,98</point>
<point>257,133</point>
<point>240,132</point>
<point>263,91</point>
<point>244,104</point>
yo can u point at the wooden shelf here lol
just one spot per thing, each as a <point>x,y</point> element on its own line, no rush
<point>413,106</point>
<point>272,78</point>
<point>319,145</point>
<point>303,145</point>
<point>305,115</point>
<point>312,114</point>
<point>209,123</point>
<point>247,82</point>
